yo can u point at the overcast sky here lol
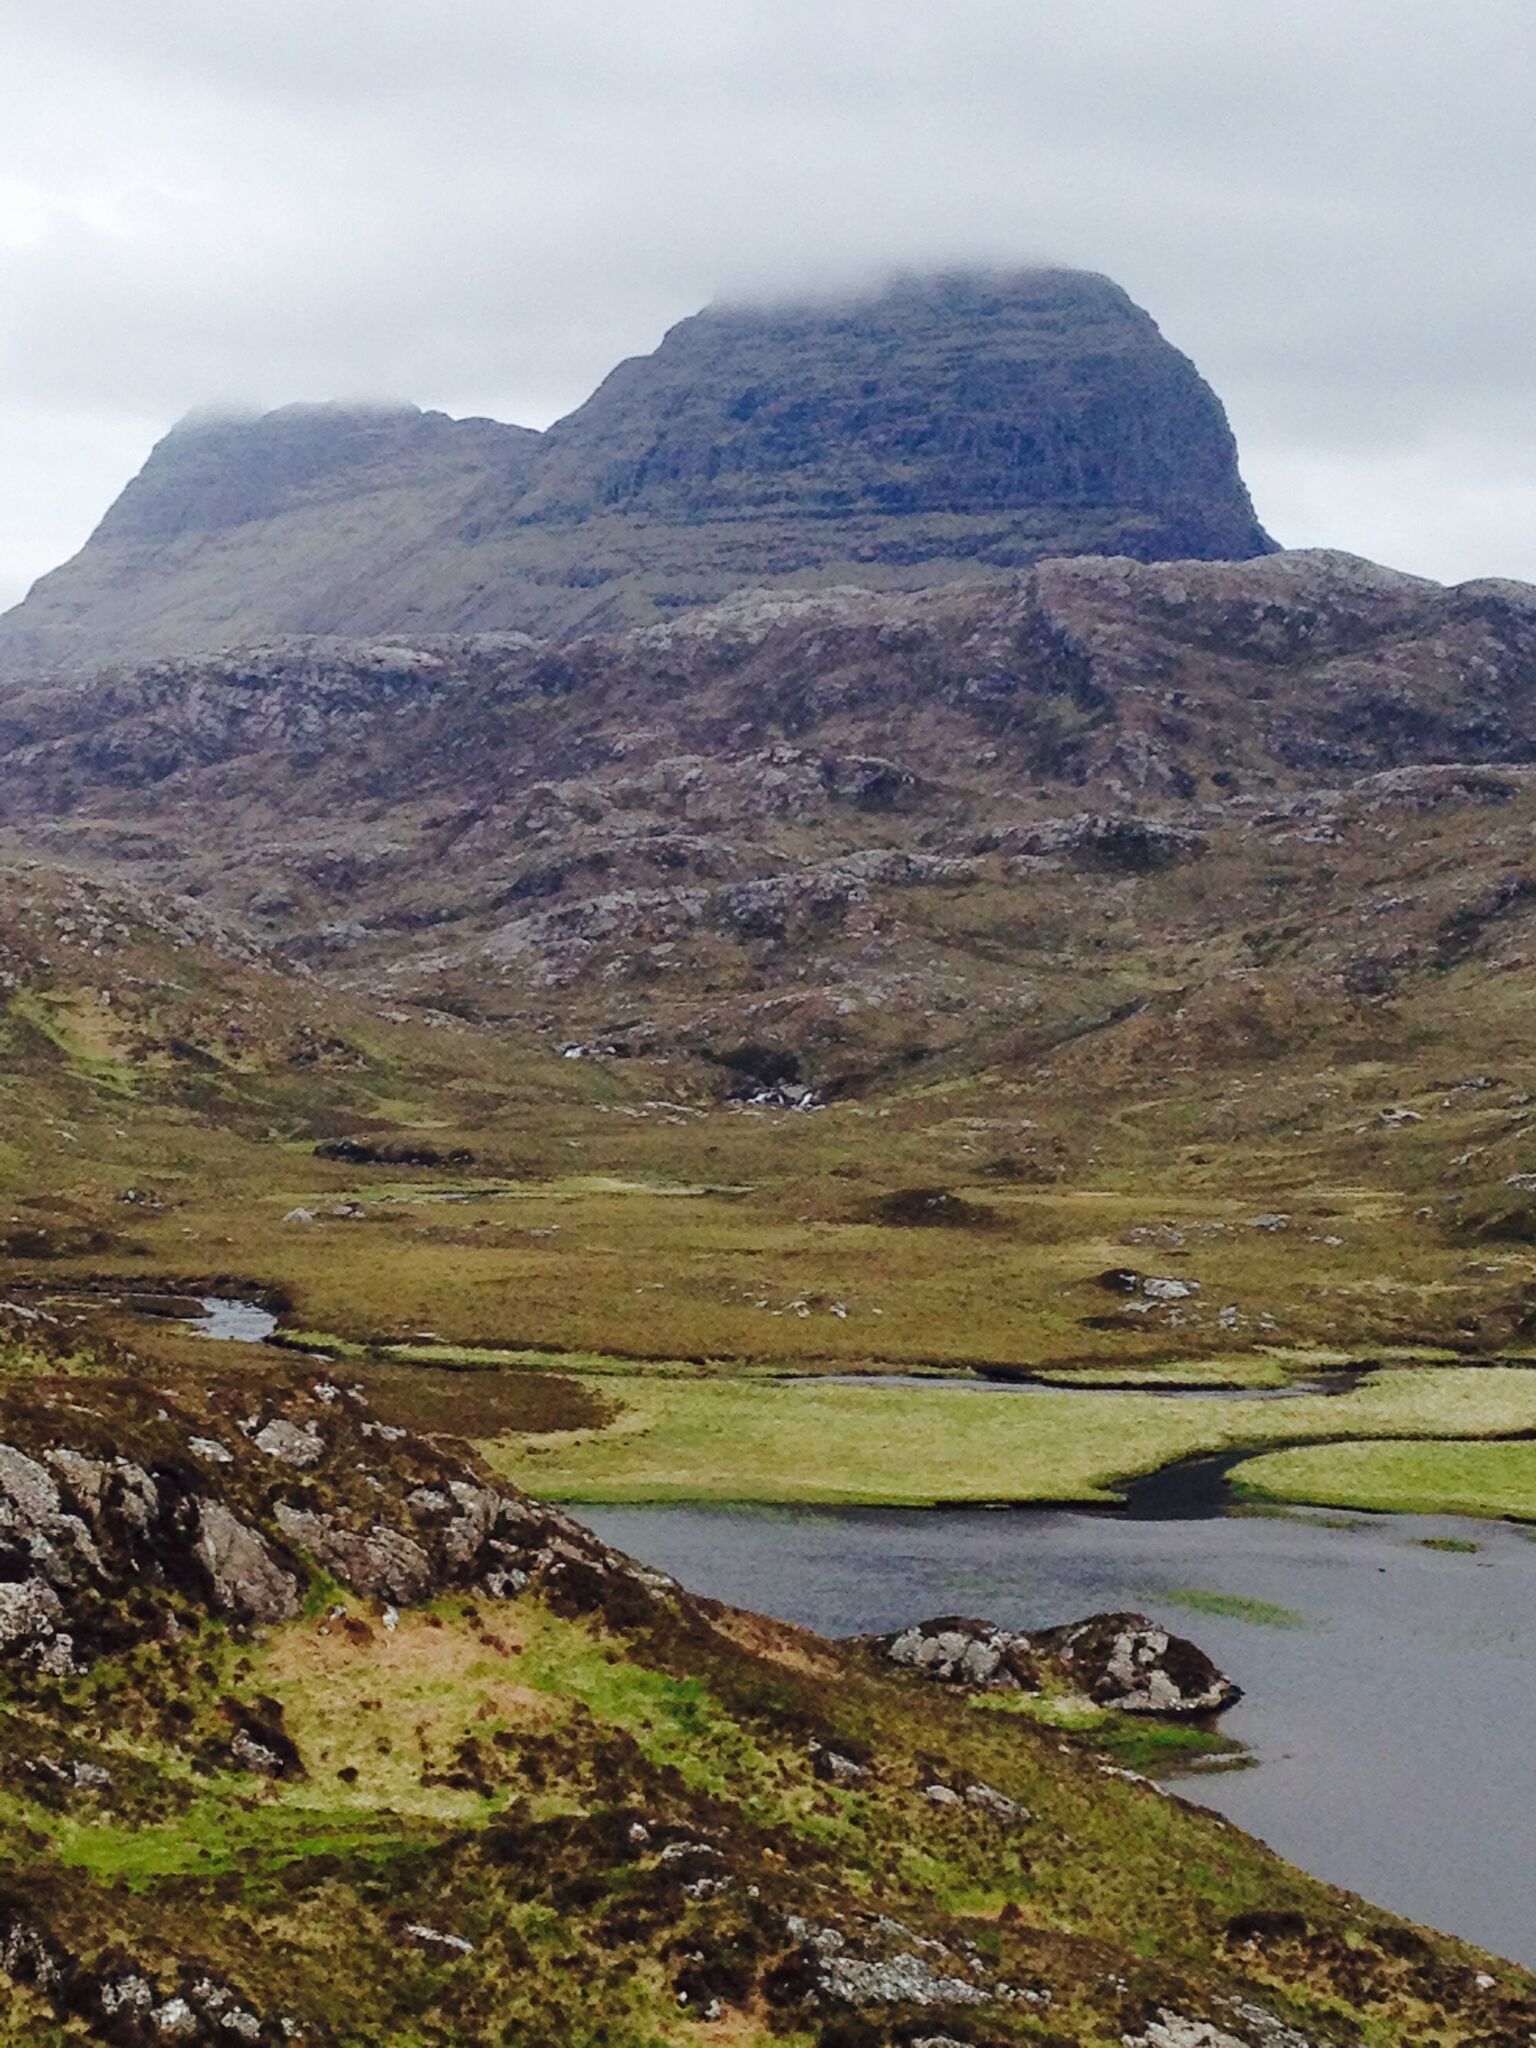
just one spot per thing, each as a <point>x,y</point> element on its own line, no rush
<point>483,204</point>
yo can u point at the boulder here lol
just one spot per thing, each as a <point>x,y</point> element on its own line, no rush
<point>1132,1664</point>
<point>1125,1662</point>
<point>958,1651</point>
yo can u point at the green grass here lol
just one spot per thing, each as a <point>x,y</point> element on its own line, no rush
<point>1255,1370</point>
<point>1137,1741</point>
<point>1424,1479</point>
<point>1234,1606</point>
<point>218,1835</point>
<point>675,1722</point>
<point>489,1358</point>
<point>733,1440</point>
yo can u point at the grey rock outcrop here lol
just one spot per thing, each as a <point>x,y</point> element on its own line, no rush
<point>219,1517</point>
<point>1131,1664</point>
<point>880,1962</point>
<point>1119,1661</point>
<point>116,2001</point>
<point>245,1578</point>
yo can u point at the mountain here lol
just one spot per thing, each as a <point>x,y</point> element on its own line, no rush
<point>939,428</point>
<point>897,942</point>
<point>873,836</point>
<point>479,811</point>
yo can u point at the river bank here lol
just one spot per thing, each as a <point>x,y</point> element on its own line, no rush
<point>1387,1662</point>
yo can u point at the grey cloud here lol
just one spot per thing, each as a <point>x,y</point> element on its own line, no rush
<point>485,207</point>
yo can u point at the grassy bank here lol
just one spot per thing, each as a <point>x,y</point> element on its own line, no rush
<point>1422,1478</point>
<point>730,1440</point>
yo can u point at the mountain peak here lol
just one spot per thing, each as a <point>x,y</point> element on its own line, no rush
<point>935,426</point>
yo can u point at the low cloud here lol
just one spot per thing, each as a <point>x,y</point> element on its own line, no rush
<point>484,208</point>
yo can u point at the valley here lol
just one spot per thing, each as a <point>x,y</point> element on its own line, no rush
<point>714,981</point>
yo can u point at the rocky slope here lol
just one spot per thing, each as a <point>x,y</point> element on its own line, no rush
<point>845,806</point>
<point>939,428</point>
<point>311,1731</point>
<point>1208,882</point>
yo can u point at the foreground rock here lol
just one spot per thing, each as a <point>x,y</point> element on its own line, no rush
<point>1123,1662</point>
<point>227,1514</point>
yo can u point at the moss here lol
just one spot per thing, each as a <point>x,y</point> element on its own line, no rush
<point>1135,1741</point>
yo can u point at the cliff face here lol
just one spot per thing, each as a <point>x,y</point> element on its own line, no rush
<point>942,427</point>
<point>1046,406</point>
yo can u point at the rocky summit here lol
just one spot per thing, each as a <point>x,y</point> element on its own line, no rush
<point>940,427</point>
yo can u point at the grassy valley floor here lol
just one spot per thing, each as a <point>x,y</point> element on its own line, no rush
<point>698,1439</point>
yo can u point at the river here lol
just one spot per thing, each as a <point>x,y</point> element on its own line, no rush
<point>1389,1724</point>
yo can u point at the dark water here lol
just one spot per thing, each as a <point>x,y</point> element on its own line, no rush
<point>1393,1731</point>
<point>1343,1380</point>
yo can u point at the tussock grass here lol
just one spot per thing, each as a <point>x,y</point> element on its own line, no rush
<point>1232,1606</point>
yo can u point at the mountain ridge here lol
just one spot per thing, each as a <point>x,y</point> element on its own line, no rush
<point>825,810</point>
<point>942,428</point>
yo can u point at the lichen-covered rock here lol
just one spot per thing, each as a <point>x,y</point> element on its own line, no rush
<point>1173,2030</point>
<point>987,1799</point>
<point>30,1614</point>
<point>246,1578</point>
<point>382,1562</point>
<point>1121,1661</point>
<point>880,1962</point>
<point>1176,2030</point>
<point>1133,1665</point>
<point>115,2000</point>
<point>960,1651</point>
<point>280,1439</point>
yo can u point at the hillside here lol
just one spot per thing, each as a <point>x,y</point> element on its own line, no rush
<point>1133,901</point>
<point>1012,806</point>
<point>311,1730</point>
<point>938,428</point>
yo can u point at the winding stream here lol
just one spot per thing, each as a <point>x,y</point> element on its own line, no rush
<point>1390,1721</point>
<point>1338,1380</point>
